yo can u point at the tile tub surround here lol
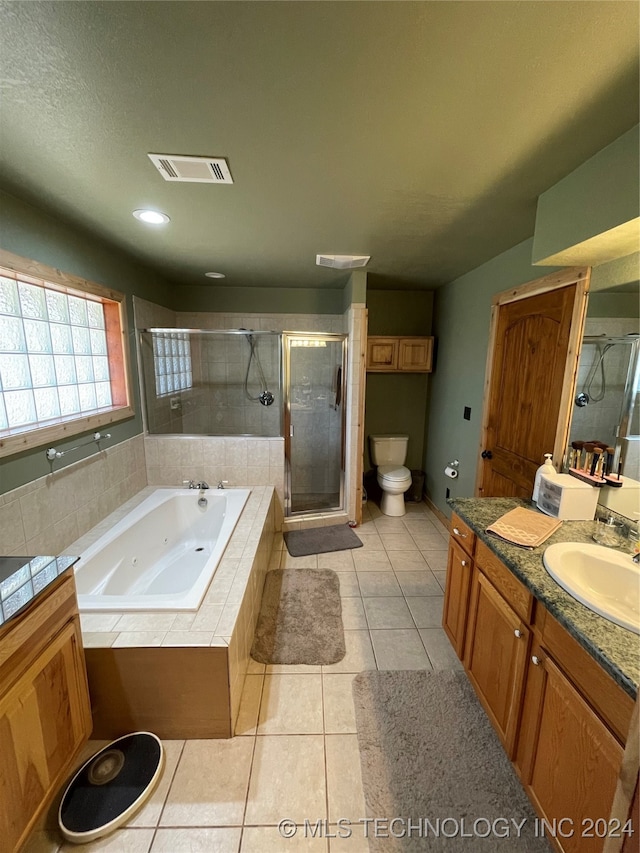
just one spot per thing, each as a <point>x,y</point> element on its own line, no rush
<point>48,514</point>
<point>213,642</point>
<point>614,648</point>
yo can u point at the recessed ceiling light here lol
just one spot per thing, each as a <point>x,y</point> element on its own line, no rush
<point>215,275</point>
<point>151,217</point>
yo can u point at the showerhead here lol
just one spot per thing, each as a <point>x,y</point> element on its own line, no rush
<point>266,398</point>
<point>582,400</point>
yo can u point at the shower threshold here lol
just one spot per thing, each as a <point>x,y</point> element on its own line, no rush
<point>315,502</point>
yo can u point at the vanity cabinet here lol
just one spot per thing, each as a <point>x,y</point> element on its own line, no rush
<point>45,715</point>
<point>562,719</point>
<point>458,585</point>
<point>394,354</point>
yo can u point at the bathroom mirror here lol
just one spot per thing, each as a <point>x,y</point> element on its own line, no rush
<point>606,404</point>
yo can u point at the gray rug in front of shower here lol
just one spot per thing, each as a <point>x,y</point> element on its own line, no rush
<point>428,750</point>
<point>321,540</point>
<point>300,618</point>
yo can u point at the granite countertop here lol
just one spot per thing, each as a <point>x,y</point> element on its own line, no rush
<point>22,579</point>
<point>615,648</point>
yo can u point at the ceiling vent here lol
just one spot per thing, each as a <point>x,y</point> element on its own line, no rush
<point>343,262</point>
<point>197,170</point>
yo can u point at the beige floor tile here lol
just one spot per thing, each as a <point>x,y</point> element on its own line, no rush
<point>398,542</point>
<point>371,561</point>
<point>426,610</point>
<point>291,704</point>
<point>200,840</point>
<point>441,577</point>
<point>348,584</point>
<point>386,612</point>
<point>287,779</point>
<point>418,583</point>
<point>389,524</point>
<point>267,839</point>
<point>399,649</point>
<point>436,560</point>
<point>429,541</point>
<point>122,841</point>
<point>339,714</point>
<point>408,561</point>
<point>439,649</point>
<point>353,617</point>
<point>291,668</point>
<point>355,843</point>
<point>210,785</point>
<point>289,562</point>
<point>344,782</point>
<point>149,814</point>
<point>359,654</point>
<point>249,705</point>
<point>339,561</point>
<point>370,542</point>
<point>378,583</point>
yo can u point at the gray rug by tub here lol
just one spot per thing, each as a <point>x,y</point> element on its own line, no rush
<point>321,540</point>
<point>300,618</point>
<point>427,750</point>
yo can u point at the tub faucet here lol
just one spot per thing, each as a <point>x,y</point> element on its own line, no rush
<point>189,484</point>
<point>201,485</point>
<point>222,484</point>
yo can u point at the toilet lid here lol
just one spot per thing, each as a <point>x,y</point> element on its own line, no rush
<point>394,472</point>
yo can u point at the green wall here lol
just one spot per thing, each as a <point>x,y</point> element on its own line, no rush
<point>265,300</point>
<point>567,213</point>
<point>462,312</point>
<point>397,403</point>
<point>27,231</point>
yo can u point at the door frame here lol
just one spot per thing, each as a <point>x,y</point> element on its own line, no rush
<point>580,276</point>
<point>287,337</point>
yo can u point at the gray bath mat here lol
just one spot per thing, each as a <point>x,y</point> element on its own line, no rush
<point>320,540</point>
<point>427,750</point>
<point>300,618</point>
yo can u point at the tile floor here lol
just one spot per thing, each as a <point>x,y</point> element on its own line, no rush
<point>295,754</point>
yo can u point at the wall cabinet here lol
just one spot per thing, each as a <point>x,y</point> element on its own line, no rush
<point>45,715</point>
<point>393,354</point>
<point>561,718</point>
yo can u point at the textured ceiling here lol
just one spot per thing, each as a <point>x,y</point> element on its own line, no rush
<point>419,133</point>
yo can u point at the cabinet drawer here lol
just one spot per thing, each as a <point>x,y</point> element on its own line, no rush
<point>462,534</point>
<point>505,582</point>
<point>606,697</point>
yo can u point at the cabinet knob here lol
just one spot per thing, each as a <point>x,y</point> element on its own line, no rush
<point>535,660</point>
<point>463,562</point>
<point>517,633</point>
<point>457,532</point>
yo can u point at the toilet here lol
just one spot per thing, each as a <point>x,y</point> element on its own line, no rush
<point>388,453</point>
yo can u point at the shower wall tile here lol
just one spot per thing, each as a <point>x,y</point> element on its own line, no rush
<point>50,513</point>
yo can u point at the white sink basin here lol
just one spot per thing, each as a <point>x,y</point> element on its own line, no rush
<point>605,581</point>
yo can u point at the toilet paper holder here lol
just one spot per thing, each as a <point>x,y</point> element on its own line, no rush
<point>452,469</point>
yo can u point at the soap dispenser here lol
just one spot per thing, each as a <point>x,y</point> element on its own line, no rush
<point>546,468</point>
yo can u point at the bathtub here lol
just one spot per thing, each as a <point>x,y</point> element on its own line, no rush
<point>162,555</point>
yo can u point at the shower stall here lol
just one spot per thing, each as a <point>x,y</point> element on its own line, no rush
<point>606,405</point>
<point>247,383</point>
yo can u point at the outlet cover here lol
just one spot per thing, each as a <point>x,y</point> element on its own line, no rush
<point>467,413</point>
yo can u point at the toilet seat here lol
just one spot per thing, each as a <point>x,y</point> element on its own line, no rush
<point>394,473</point>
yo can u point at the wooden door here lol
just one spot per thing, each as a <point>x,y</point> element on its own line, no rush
<point>568,759</point>
<point>496,657</point>
<point>44,720</point>
<point>456,596</point>
<point>531,373</point>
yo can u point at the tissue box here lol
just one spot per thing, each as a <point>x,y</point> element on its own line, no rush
<point>625,499</point>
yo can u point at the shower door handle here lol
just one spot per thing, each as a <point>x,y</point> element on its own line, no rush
<point>291,430</point>
<point>338,386</point>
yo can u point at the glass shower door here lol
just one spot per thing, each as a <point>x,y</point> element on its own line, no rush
<point>314,435</point>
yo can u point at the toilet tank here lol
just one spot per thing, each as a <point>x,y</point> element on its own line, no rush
<point>388,449</point>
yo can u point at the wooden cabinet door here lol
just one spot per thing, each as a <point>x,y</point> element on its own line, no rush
<point>568,759</point>
<point>415,355</point>
<point>496,657</point>
<point>456,596</point>
<point>382,353</point>
<point>44,719</point>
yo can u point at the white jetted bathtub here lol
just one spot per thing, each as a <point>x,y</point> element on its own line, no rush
<point>162,555</point>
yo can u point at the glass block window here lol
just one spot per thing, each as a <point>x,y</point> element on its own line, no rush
<point>172,362</point>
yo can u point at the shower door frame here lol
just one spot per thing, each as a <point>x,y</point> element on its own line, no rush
<point>337,337</point>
